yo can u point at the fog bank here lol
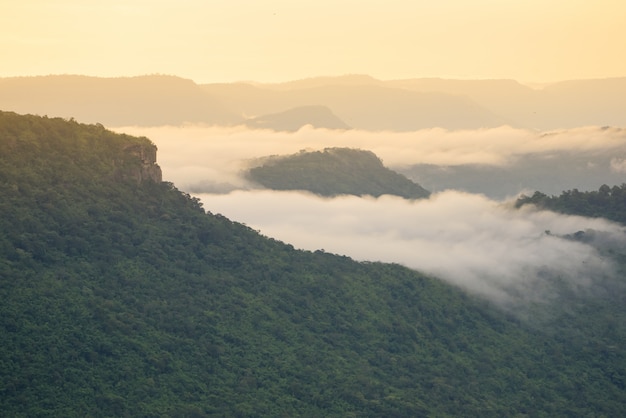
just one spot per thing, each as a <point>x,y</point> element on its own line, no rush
<point>207,159</point>
<point>473,241</point>
<point>481,245</point>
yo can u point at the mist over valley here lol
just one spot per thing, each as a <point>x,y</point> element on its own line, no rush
<point>500,162</point>
<point>468,232</point>
<point>484,246</point>
<point>464,141</point>
<point>312,209</point>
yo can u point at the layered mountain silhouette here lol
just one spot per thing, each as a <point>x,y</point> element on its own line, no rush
<point>143,101</point>
<point>293,119</point>
<point>364,106</point>
<point>358,101</point>
<point>566,104</point>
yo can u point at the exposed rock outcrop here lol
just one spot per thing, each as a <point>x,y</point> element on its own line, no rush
<point>143,167</point>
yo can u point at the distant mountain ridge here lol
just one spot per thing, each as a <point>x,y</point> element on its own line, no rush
<point>371,106</point>
<point>565,104</point>
<point>293,119</point>
<point>549,171</point>
<point>144,101</point>
<point>360,101</point>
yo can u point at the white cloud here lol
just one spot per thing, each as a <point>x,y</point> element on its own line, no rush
<point>474,242</point>
<point>618,165</point>
<point>198,154</point>
<point>479,244</point>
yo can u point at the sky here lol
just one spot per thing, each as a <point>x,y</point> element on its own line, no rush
<point>279,40</point>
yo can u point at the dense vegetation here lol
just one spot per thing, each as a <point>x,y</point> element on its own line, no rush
<point>335,171</point>
<point>122,298</point>
<point>607,202</point>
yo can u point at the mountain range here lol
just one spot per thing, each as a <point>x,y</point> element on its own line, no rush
<point>291,120</point>
<point>359,102</point>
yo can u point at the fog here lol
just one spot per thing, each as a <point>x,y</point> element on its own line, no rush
<point>482,245</point>
<point>479,243</point>
<point>206,159</point>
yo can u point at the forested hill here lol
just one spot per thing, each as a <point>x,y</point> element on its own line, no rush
<point>335,171</point>
<point>121,296</point>
<point>606,202</point>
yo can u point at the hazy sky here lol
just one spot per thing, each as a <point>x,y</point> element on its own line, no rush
<point>279,40</point>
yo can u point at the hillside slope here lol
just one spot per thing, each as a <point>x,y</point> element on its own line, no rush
<point>606,202</point>
<point>335,171</point>
<point>122,297</point>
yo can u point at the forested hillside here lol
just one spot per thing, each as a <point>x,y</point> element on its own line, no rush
<point>606,202</point>
<point>121,296</point>
<point>334,171</point>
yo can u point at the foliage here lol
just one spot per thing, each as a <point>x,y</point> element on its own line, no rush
<point>127,299</point>
<point>607,202</point>
<point>335,171</point>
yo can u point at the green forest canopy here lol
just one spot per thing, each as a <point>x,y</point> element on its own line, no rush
<point>125,298</point>
<point>335,171</point>
<point>607,202</point>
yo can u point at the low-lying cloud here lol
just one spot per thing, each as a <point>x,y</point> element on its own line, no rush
<point>477,243</point>
<point>201,158</point>
<point>481,245</point>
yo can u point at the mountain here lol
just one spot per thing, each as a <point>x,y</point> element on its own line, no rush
<point>334,171</point>
<point>319,117</point>
<point>584,102</point>
<point>359,101</point>
<point>549,171</point>
<point>399,105</point>
<point>121,296</point>
<point>370,106</point>
<point>313,82</point>
<point>513,102</point>
<point>562,105</point>
<point>124,101</point>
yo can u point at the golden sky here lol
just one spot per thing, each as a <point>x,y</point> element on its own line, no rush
<point>281,40</point>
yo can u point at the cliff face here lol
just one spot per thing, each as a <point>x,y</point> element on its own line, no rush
<point>66,153</point>
<point>144,167</point>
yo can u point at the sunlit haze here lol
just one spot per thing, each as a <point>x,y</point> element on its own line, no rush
<point>278,40</point>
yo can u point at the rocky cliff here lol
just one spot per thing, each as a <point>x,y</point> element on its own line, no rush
<point>144,167</point>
